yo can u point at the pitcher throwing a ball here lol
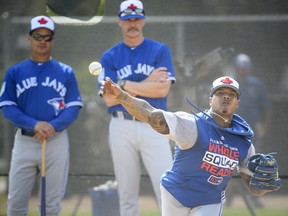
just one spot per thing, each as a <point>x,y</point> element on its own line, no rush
<point>210,145</point>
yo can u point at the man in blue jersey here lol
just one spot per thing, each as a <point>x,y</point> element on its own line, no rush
<point>40,97</point>
<point>209,146</point>
<point>144,68</point>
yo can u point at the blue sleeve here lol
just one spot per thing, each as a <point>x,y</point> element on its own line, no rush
<point>108,70</point>
<point>66,118</point>
<point>73,104</point>
<point>165,60</point>
<point>73,94</point>
<point>18,118</point>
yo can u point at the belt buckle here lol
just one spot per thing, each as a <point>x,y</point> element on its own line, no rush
<point>120,115</point>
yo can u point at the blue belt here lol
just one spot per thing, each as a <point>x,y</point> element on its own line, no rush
<point>123,115</point>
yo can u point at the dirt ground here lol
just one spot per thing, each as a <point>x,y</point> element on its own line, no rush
<point>84,203</point>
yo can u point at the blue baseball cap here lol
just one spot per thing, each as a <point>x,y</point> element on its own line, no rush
<point>131,9</point>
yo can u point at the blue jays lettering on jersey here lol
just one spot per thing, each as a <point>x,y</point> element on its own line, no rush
<point>201,173</point>
<point>40,90</point>
<point>136,64</point>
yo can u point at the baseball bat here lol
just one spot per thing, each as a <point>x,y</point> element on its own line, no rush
<point>43,180</point>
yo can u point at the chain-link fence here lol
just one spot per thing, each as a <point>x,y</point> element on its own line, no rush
<point>224,27</point>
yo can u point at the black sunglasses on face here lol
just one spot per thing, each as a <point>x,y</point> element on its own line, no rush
<point>39,37</point>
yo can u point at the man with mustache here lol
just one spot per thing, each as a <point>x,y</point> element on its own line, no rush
<point>144,68</point>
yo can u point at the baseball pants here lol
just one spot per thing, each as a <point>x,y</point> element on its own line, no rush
<point>24,169</point>
<point>172,207</point>
<point>129,141</point>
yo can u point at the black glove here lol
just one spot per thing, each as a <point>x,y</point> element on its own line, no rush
<point>265,172</point>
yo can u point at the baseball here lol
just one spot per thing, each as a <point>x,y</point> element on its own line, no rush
<point>95,68</point>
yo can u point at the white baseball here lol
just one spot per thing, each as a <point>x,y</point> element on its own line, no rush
<point>95,68</point>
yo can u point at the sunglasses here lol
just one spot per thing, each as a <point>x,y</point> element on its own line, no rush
<point>130,11</point>
<point>39,37</point>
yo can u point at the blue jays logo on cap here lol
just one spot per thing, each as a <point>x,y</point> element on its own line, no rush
<point>41,22</point>
<point>225,82</point>
<point>131,9</point>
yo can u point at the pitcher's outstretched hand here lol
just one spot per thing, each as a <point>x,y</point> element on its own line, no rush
<point>110,89</point>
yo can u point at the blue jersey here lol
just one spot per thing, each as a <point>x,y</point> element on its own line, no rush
<point>40,91</point>
<point>200,174</point>
<point>254,100</point>
<point>136,64</point>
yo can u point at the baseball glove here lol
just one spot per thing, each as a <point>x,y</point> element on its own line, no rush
<point>265,172</point>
